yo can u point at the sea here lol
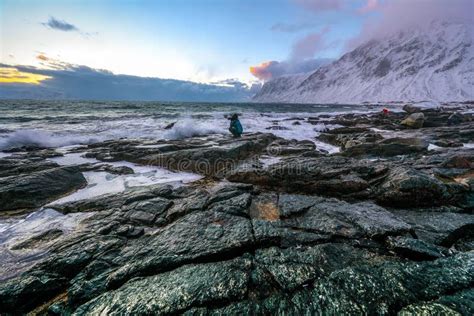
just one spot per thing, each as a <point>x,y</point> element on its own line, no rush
<point>64,123</point>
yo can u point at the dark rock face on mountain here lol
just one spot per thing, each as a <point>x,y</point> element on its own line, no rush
<point>384,227</point>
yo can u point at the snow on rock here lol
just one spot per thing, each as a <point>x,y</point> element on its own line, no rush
<point>433,64</point>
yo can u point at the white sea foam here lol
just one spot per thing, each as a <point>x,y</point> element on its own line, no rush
<point>73,159</point>
<point>433,147</point>
<point>99,183</point>
<point>40,138</point>
<point>14,230</point>
<point>190,128</point>
<point>88,123</point>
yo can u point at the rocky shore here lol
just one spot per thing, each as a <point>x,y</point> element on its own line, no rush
<point>385,226</point>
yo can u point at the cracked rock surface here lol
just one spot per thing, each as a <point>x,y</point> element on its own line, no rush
<point>384,227</point>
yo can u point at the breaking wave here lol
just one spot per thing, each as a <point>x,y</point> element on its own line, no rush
<point>190,128</point>
<point>37,138</point>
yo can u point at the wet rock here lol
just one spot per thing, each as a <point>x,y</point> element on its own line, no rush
<point>410,188</point>
<point>415,249</point>
<point>293,147</point>
<point>333,176</point>
<point>39,239</point>
<point>15,167</point>
<point>212,160</point>
<point>389,286</point>
<point>338,218</point>
<point>460,303</point>
<point>373,289</point>
<point>342,135</point>
<point>38,154</point>
<point>130,231</point>
<point>270,246</point>
<point>439,228</point>
<point>22,295</point>
<point>170,125</point>
<point>428,309</point>
<point>387,147</point>
<point>462,160</point>
<point>295,267</point>
<point>148,211</point>
<point>447,143</point>
<point>278,128</point>
<point>114,201</point>
<point>414,120</point>
<point>106,168</point>
<point>186,205</point>
<point>455,119</point>
<point>177,290</point>
<point>291,204</point>
<point>32,190</point>
<point>237,205</point>
<point>410,108</point>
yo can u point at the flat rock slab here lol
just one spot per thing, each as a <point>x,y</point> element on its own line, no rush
<point>35,189</point>
<point>439,228</point>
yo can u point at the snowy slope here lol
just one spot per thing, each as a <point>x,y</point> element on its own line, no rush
<point>434,63</point>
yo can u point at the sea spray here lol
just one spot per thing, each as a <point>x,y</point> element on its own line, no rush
<point>41,139</point>
<point>190,128</point>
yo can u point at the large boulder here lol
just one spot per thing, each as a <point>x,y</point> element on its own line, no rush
<point>439,227</point>
<point>386,147</point>
<point>176,291</point>
<point>332,176</point>
<point>35,189</point>
<point>406,187</point>
<point>414,120</point>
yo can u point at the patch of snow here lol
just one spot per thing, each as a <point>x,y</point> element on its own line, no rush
<point>408,66</point>
<point>433,147</point>
<point>3,155</point>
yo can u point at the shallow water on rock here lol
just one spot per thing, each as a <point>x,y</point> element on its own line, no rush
<point>99,183</point>
<point>16,230</point>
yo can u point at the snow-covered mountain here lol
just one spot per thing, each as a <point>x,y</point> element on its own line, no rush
<point>434,63</point>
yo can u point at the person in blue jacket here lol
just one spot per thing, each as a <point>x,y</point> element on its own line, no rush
<point>235,126</point>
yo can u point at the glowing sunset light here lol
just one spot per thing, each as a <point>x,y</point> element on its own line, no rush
<point>261,71</point>
<point>13,75</point>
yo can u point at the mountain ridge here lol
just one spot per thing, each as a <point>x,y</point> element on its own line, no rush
<point>434,63</point>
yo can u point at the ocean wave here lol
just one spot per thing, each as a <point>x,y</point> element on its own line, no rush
<point>42,139</point>
<point>190,128</point>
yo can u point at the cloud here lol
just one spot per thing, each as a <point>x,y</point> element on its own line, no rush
<point>300,60</point>
<point>371,5</point>
<point>320,5</point>
<point>264,70</point>
<point>274,69</point>
<point>11,75</point>
<point>60,25</point>
<point>232,82</point>
<point>292,28</point>
<point>70,81</point>
<point>309,45</point>
<point>397,15</point>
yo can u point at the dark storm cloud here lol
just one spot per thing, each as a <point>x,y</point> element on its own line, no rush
<point>60,25</point>
<point>69,81</point>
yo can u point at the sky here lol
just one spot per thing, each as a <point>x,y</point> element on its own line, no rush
<point>48,46</point>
